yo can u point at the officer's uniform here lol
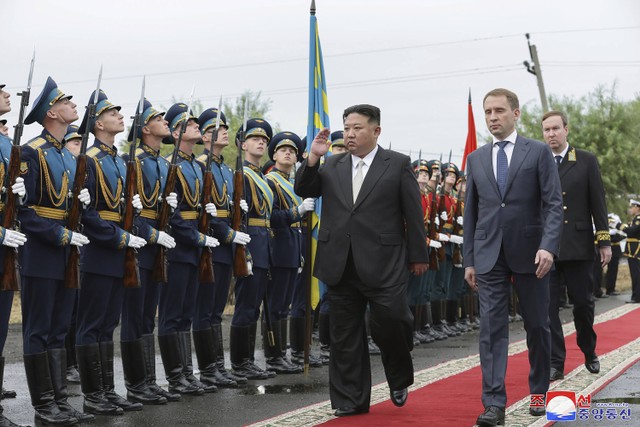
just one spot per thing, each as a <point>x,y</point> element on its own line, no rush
<point>178,297</point>
<point>632,252</point>
<point>48,169</point>
<point>250,290</point>
<point>212,297</point>
<point>139,305</point>
<point>102,272</point>
<point>286,254</point>
<point>612,268</point>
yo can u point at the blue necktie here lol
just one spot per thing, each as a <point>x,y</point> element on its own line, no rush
<point>558,160</point>
<point>502,167</point>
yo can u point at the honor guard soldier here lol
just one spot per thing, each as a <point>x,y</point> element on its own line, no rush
<point>48,169</point>
<point>337,142</point>
<point>178,297</point>
<point>212,298</point>
<point>250,290</point>
<point>137,341</point>
<point>9,238</point>
<point>102,266</point>
<point>632,249</point>
<point>617,236</point>
<point>285,148</point>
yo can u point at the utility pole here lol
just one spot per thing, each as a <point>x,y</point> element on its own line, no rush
<point>536,70</point>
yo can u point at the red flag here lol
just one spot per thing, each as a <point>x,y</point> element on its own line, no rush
<point>472,139</point>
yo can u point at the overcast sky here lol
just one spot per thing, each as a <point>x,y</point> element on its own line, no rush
<point>415,59</point>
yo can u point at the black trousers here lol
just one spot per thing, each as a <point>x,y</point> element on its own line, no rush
<point>612,268</point>
<point>578,276</point>
<point>391,328</point>
<point>634,269</point>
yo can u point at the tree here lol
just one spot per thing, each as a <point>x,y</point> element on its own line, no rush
<point>608,127</point>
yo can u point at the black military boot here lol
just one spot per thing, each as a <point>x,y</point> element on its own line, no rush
<point>296,337</point>
<point>4,422</point>
<point>41,391</point>
<point>106,359</point>
<point>149,349</point>
<point>324,334</point>
<point>170,352</point>
<point>58,370</point>
<point>273,354</point>
<point>218,349</point>
<point>203,342</point>
<point>184,337</point>
<point>73,376</point>
<point>5,394</point>
<point>452,315</point>
<point>418,322</point>
<point>90,369</point>
<point>135,374</point>
<point>240,356</point>
<point>284,334</point>
<point>253,328</point>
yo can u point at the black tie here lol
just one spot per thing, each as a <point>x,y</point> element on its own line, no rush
<point>558,160</point>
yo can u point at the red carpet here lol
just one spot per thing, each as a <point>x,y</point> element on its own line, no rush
<point>455,401</point>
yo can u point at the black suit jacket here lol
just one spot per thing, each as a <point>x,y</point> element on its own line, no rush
<point>583,204</point>
<point>384,227</point>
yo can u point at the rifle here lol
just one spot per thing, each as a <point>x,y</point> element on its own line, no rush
<point>457,255</point>
<point>131,270</point>
<point>72,272</point>
<point>433,230</point>
<point>240,268</point>
<point>10,275</point>
<point>160,265</point>
<point>442,207</point>
<point>205,268</point>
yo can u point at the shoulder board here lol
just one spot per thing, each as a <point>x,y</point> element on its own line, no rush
<point>93,152</point>
<point>139,151</point>
<point>202,158</point>
<point>37,142</point>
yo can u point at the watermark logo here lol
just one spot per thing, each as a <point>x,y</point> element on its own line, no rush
<point>567,406</point>
<point>561,406</point>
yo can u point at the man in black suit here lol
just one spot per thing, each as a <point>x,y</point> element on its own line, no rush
<point>371,236</point>
<point>583,205</point>
<point>512,221</point>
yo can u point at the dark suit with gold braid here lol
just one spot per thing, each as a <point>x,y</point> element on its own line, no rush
<point>583,205</point>
<point>632,252</point>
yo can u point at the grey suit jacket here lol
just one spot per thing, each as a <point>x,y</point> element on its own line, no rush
<point>384,227</point>
<point>527,218</point>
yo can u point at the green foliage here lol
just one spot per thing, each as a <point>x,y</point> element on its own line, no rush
<point>606,126</point>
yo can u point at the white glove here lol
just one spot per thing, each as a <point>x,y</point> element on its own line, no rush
<point>19,188</point>
<point>211,242</point>
<point>443,237</point>
<point>172,200</point>
<point>244,206</point>
<point>13,238</point>
<point>307,205</point>
<point>136,242</point>
<point>614,217</point>
<point>210,208</point>
<point>78,239</point>
<point>84,197</point>
<point>435,244</point>
<point>166,240</point>
<point>241,238</point>
<point>460,221</point>
<point>456,239</point>
<point>136,203</point>
<point>613,231</point>
<point>444,216</point>
<point>437,221</point>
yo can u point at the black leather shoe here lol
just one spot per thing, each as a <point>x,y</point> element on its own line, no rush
<point>492,416</point>
<point>613,293</point>
<point>345,412</point>
<point>399,397</point>
<point>592,364</point>
<point>556,374</point>
<point>537,411</point>
<point>632,301</point>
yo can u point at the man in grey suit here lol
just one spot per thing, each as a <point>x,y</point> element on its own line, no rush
<point>371,236</point>
<point>513,225</point>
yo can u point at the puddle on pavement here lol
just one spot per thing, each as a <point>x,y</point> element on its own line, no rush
<point>629,400</point>
<point>282,389</point>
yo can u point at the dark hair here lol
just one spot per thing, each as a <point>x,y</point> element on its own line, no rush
<point>512,98</point>
<point>552,113</point>
<point>370,111</point>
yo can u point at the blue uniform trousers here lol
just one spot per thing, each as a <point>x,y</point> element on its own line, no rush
<point>279,289</point>
<point>139,307</point>
<point>46,313</point>
<point>99,307</point>
<point>212,298</point>
<point>249,292</point>
<point>178,299</point>
<point>6,301</point>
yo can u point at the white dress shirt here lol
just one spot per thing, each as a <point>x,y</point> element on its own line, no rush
<point>367,163</point>
<point>508,149</point>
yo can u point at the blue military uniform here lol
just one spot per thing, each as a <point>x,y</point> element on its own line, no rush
<point>212,298</point>
<point>178,297</point>
<point>102,271</point>
<point>286,253</point>
<point>6,297</point>
<point>249,291</point>
<point>48,169</point>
